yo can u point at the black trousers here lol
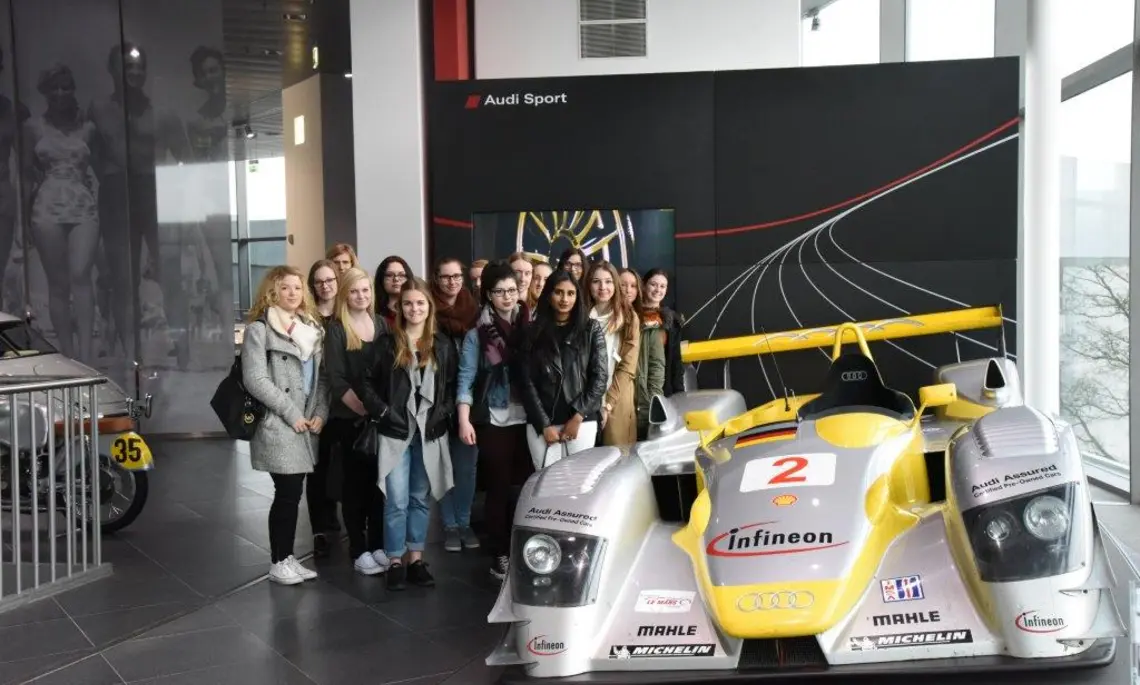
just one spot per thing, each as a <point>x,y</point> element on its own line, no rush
<point>361,500</point>
<point>322,506</point>
<point>505,457</point>
<point>283,513</point>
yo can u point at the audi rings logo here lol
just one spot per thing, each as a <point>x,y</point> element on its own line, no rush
<point>849,376</point>
<point>768,601</point>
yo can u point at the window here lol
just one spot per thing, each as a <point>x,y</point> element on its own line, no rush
<point>1091,29</point>
<point>1095,359</point>
<point>842,32</point>
<point>611,28</point>
<point>949,29</point>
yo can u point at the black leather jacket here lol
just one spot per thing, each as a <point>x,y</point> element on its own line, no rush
<point>384,390</point>
<point>555,387</point>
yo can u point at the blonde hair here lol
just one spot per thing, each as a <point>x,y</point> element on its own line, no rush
<point>426,344</point>
<point>350,277</point>
<point>623,313</point>
<point>477,264</point>
<point>267,294</point>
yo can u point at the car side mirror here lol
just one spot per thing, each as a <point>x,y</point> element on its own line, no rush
<point>701,420</point>
<point>937,395</point>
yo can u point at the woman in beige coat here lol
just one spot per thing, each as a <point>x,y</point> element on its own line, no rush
<point>623,337</point>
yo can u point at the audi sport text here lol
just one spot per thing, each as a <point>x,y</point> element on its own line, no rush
<point>643,651</point>
<point>529,99</point>
<point>755,540</point>
<point>948,637</point>
<point>904,619</point>
<point>672,630</point>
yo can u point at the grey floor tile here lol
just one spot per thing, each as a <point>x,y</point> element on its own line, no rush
<point>330,631</point>
<point>387,660</point>
<point>268,669</point>
<point>206,618</point>
<point>474,673</point>
<point>260,606</point>
<point>40,639</point>
<point>113,594</point>
<point>94,670</point>
<point>34,612</point>
<point>153,657</point>
<point>106,628</point>
<point>23,670</point>
<point>447,605</point>
<point>469,642</point>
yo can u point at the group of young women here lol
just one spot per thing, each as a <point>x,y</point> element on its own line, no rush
<point>381,393</point>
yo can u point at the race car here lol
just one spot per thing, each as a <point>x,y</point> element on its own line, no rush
<point>846,531</point>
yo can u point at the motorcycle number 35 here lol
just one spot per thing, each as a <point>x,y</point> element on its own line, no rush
<point>131,452</point>
<point>789,471</point>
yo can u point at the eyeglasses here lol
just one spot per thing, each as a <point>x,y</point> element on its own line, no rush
<point>326,281</point>
<point>505,292</point>
<point>451,278</point>
<point>395,278</point>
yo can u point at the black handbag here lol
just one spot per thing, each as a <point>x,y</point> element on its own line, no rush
<point>238,411</point>
<point>368,440</point>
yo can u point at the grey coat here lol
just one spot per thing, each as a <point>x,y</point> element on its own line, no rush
<point>271,370</point>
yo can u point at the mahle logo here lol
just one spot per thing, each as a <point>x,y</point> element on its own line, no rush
<point>474,101</point>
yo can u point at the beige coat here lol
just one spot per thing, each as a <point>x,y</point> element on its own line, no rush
<point>621,427</point>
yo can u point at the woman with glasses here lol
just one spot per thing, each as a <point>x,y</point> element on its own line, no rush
<point>322,503</point>
<point>455,312</point>
<point>391,276</point>
<point>409,392</point>
<point>348,350</point>
<point>622,331</point>
<point>491,411</point>
<point>574,261</point>
<point>564,373</point>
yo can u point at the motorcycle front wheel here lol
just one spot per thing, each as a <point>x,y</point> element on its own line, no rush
<point>122,495</point>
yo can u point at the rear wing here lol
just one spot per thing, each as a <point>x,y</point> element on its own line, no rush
<point>909,326</point>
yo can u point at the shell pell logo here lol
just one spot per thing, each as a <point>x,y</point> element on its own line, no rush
<point>785,500</point>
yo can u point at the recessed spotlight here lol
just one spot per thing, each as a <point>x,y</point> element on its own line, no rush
<point>290,16</point>
<point>348,75</point>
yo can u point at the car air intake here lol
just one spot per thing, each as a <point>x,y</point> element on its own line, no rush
<point>782,654</point>
<point>1016,432</point>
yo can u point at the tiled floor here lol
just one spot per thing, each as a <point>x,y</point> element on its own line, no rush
<point>180,608</point>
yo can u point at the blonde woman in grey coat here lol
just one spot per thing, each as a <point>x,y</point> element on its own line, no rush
<point>281,368</point>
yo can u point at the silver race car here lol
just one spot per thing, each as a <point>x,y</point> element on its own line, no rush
<point>841,532</point>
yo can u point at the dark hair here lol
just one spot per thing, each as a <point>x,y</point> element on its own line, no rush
<point>52,74</point>
<point>545,321</point>
<point>657,272</point>
<point>199,57</point>
<point>570,252</point>
<point>382,296</point>
<point>317,266</point>
<point>448,260</point>
<point>498,270</point>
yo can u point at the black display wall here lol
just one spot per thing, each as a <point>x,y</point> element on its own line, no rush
<point>802,197</point>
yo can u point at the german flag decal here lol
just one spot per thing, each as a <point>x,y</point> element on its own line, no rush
<point>770,434</point>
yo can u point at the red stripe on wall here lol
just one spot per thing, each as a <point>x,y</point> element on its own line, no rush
<point>452,61</point>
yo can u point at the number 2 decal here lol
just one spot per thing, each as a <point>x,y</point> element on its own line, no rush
<point>783,477</point>
<point>789,471</point>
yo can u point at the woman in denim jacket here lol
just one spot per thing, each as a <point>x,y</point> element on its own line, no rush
<point>490,406</point>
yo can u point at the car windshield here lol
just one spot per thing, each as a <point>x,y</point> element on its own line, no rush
<point>18,339</point>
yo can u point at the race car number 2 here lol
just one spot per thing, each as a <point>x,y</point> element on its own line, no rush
<point>789,471</point>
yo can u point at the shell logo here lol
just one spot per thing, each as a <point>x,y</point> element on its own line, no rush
<point>784,500</point>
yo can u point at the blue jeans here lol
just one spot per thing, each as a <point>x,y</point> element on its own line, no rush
<point>455,507</point>
<point>406,509</point>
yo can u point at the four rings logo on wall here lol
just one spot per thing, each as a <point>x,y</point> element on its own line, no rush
<point>476,101</point>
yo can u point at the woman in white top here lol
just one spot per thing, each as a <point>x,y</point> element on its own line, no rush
<point>623,336</point>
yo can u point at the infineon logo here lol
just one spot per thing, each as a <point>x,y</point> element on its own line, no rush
<point>514,99</point>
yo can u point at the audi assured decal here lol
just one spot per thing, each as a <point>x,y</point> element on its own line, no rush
<point>853,376</point>
<point>944,637</point>
<point>645,651</point>
<point>756,540</point>
<point>1033,622</point>
<point>773,601</point>
<point>540,646</point>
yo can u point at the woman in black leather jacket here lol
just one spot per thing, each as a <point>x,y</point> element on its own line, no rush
<point>564,377</point>
<point>410,393</point>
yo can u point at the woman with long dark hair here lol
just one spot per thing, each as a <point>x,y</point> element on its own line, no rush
<point>564,373</point>
<point>391,276</point>
<point>622,330</point>
<point>410,393</point>
<point>575,261</point>
<point>322,284</point>
<point>491,411</point>
<point>348,352</point>
<point>653,303</point>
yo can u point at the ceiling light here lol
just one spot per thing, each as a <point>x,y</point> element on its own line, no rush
<point>289,16</point>
<point>249,132</point>
<point>348,74</point>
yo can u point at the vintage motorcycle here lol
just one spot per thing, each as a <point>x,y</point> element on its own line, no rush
<point>61,455</point>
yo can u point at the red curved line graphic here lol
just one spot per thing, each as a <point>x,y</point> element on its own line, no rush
<point>444,221</point>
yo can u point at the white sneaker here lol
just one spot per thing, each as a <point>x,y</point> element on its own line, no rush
<point>381,559</point>
<point>304,573</point>
<point>365,565</point>
<point>283,573</point>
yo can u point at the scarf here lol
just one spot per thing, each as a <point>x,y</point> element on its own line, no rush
<point>306,334</point>
<point>498,337</point>
<point>455,320</point>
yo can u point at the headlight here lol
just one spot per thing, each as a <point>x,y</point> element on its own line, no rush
<point>1046,518</point>
<point>542,554</point>
<point>557,570</point>
<point>999,527</point>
